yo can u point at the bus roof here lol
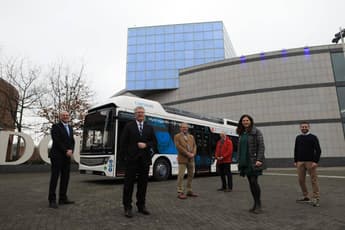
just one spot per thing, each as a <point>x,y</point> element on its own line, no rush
<point>129,103</point>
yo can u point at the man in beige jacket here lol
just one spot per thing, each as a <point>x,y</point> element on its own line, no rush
<point>186,148</point>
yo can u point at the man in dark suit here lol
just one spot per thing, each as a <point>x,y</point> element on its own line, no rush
<point>60,157</point>
<point>137,142</point>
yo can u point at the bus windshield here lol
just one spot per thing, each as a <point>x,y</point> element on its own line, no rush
<point>98,134</point>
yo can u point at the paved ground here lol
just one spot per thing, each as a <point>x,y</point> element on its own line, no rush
<point>23,204</point>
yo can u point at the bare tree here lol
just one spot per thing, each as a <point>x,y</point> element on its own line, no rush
<point>25,78</point>
<point>66,91</point>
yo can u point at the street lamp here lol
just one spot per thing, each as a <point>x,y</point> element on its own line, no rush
<point>338,36</point>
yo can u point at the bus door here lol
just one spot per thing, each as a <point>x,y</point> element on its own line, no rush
<point>203,159</point>
<point>123,118</point>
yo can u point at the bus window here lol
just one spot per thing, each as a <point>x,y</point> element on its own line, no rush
<point>98,135</point>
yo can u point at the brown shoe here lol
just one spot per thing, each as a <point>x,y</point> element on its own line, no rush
<point>181,196</point>
<point>192,194</point>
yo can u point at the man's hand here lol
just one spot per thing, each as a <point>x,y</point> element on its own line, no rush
<point>142,145</point>
<point>69,152</point>
<point>258,163</point>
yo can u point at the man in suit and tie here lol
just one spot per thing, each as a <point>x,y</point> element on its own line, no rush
<point>60,157</point>
<point>137,142</point>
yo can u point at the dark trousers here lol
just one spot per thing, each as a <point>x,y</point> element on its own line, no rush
<point>255,190</point>
<point>225,172</point>
<point>59,167</point>
<point>134,168</point>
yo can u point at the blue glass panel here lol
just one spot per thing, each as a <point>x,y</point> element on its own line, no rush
<point>170,83</point>
<point>150,30</point>
<point>179,55</point>
<point>160,83</point>
<point>140,66</point>
<point>219,53</point>
<point>159,65</point>
<point>188,28</point>
<point>150,48</point>
<point>189,62</point>
<point>217,26</point>
<point>198,53</point>
<point>198,36</point>
<point>140,85</point>
<point>179,64</point>
<point>150,57</point>
<point>169,38</point>
<point>218,44</point>
<point>131,49</point>
<point>179,46</point>
<point>141,40</point>
<point>218,34</point>
<point>151,84</point>
<point>160,38</point>
<point>141,49</point>
<point>188,37</point>
<point>159,47</point>
<point>132,32</point>
<point>159,30</point>
<point>198,45</point>
<point>150,74</point>
<point>130,84</point>
<point>198,27</point>
<point>208,26</point>
<point>131,41</point>
<point>208,44</point>
<point>199,61</point>
<point>169,56</point>
<point>170,73</point>
<point>169,29</point>
<point>131,66</point>
<point>170,65</point>
<point>178,37</point>
<point>141,31</point>
<point>189,45</point>
<point>178,28</point>
<point>209,59</point>
<point>169,46</point>
<point>140,57</point>
<point>130,75</point>
<point>189,54</point>
<point>149,65</point>
<point>131,58</point>
<point>208,35</point>
<point>209,53</point>
<point>159,56</point>
<point>150,39</point>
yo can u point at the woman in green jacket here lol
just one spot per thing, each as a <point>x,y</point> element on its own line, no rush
<point>251,156</point>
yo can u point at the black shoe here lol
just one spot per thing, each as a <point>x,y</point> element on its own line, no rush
<point>62,202</point>
<point>221,189</point>
<point>53,204</point>
<point>144,211</point>
<point>128,213</point>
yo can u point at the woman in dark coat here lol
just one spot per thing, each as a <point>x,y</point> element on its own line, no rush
<point>251,157</point>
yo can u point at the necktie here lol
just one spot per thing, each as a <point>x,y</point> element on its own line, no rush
<point>141,128</point>
<point>67,129</point>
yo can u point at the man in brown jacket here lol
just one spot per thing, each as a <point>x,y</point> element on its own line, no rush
<point>186,148</point>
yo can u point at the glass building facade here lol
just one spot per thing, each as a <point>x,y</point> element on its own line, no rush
<point>156,53</point>
<point>338,63</point>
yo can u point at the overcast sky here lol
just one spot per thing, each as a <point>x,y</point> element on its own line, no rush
<point>94,32</point>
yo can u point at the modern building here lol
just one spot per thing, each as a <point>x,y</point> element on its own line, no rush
<point>8,105</point>
<point>279,89</point>
<point>156,53</point>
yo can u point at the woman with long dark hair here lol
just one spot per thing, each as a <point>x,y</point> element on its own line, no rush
<point>251,157</point>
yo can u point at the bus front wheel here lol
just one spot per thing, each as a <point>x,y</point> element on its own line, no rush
<point>161,169</point>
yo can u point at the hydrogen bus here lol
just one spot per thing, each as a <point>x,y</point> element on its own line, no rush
<point>104,123</point>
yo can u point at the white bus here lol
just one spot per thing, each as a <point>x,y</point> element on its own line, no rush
<point>104,123</point>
